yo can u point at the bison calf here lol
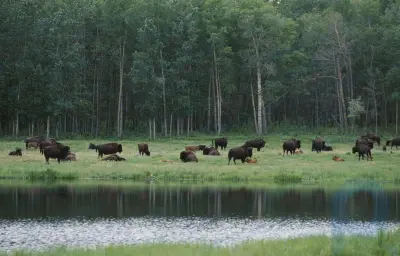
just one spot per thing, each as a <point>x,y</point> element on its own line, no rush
<point>109,148</point>
<point>191,148</point>
<point>143,149</point>
<point>113,157</point>
<point>258,144</point>
<point>188,156</point>
<point>55,151</point>
<point>17,152</point>
<point>241,153</point>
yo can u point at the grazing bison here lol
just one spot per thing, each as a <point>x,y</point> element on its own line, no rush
<point>373,137</point>
<point>241,153</point>
<point>143,149</point>
<point>220,142</point>
<point>191,148</point>
<point>92,146</point>
<point>33,144</point>
<point>188,156</point>
<point>365,141</point>
<point>45,143</point>
<point>17,152</point>
<point>258,144</point>
<point>55,151</point>
<point>113,157</point>
<point>291,146</point>
<point>317,145</point>
<point>36,139</point>
<point>393,142</point>
<point>362,150</point>
<point>109,148</point>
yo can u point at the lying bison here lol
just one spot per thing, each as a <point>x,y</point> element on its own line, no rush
<point>373,137</point>
<point>291,146</point>
<point>362,150</point>
<point>188,156</point>
<point>327,148</point>
<point>241,153</point>
<point>109,148</point>
<point>16,152</point>
<point>210,151</point>
<point>393,142</point>
<point>202,147</point>
<point>220,142</point>
<point>70,157</point>
<point>113,157</point>
<point>36,139</point>
<point>55,151</point>
<point>317,145</point>
<point>192,148</point>
<point>143,149</point>
<point>258,144</point>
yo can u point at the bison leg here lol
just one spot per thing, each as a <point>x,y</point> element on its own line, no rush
<point>258,149</point>
<point>47,159</point>
<point>243,159</point>
<point>58,159</point>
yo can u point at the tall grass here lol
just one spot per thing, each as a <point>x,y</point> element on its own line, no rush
<point>383,244</point>
<point>272,166</point>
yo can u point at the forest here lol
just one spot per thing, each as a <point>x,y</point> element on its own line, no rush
<point>174,67</point>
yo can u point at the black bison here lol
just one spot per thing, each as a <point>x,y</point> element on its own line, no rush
<point>210,151</point>
<point>317,145</point>
<point>109,148</point>
<point>188,156</point>
<point>220,142</point>
<point>36,139</point>
<point>393,142</point>
<point>92,146</point>
<point>362,150</point>
<point>373,137</point>
<point>55,151</point>
<point>45,143</point>
<point>143,149</point>
<point>258,144</point>
<point>202,147</point>
<point>241,153</point>
<point>291,146</point>
<point>365,141</point>
<point>113,157</point>
<point>17,152</point>
<point>327,148</point>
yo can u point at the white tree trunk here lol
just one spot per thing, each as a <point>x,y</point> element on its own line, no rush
<point>48,127</point>
<point>154,128</point>
<point>260,99</point>
<point>121,78</point>
<point>164,97</point>
<point>254,108</point>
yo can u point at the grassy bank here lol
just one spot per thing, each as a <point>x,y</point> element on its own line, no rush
<point>382,244</point>
<point>309,167</point>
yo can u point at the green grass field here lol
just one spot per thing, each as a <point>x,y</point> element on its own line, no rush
<point>309,167</point>
<point>382,244</point>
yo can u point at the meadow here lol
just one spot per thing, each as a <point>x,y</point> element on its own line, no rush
<point>385,243</point>
<point>271,165</point>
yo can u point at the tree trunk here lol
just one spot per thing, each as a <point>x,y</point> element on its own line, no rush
<point>121,78</point>
<point>170,126</point>
<point>397,115</point>
<point>48,127</point>
<point>209,105</point>
<point>33,128</point>
<point>150,127</point>
<point>97,107</point>
<point>254,107</point>
<point>164,97</point>
<point>188,125</point>
<point>154,128</point>
<point>17,124</point>
<point>178,128</point>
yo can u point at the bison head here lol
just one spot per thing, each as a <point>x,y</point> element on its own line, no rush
<point>119,148</point>
<point>354,150</point>
<point>92,146</point>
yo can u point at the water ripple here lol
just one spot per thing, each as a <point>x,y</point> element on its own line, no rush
<point>47,233</point>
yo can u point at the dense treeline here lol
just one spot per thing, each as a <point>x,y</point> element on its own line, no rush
<point>169,67</point>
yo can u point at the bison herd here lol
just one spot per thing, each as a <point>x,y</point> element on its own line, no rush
<point>50,148</point>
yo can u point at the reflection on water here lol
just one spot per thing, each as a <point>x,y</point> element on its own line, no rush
<point>40,217</point>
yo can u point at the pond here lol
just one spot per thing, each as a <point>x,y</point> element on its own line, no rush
<point>42,216</point>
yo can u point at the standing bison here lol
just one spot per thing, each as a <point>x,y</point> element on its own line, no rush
<point>109,148</point>
<point>188,156</point>
<point>220,142</point>
<point>55,151</point>
<point>143,149</point>
<point>258,144</point>
<point>291,146</point>
<point>45,143</point>
<point>36,139</point>
<point>318,144</point>
<point>373,137</point>
<point>241,153</point>
<point>362,150</point>
<point>365,141</point>
<point>393,142</point>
